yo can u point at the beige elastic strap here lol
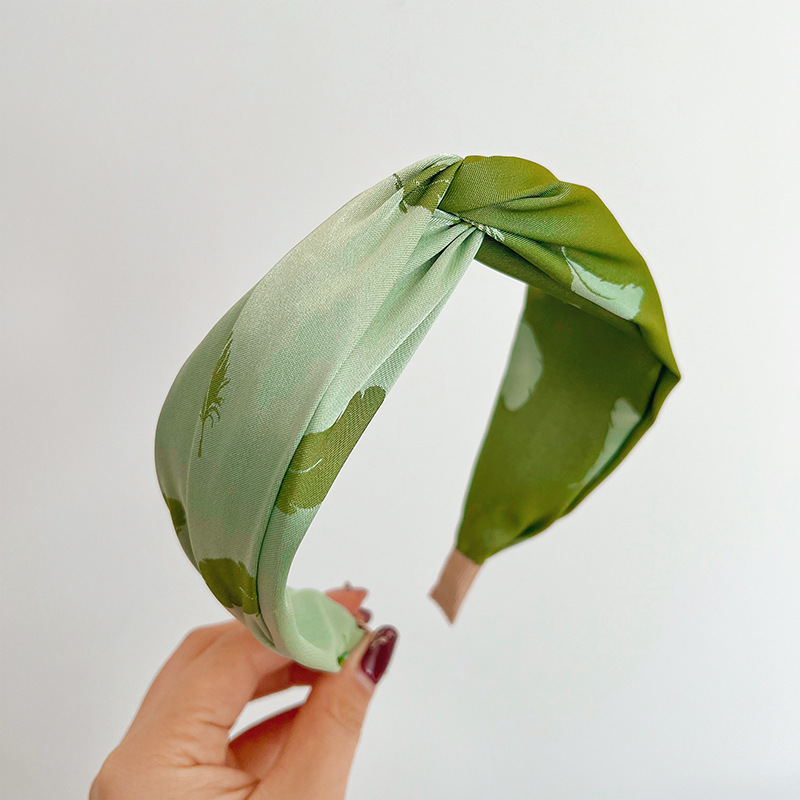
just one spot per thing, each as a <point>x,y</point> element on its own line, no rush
<point>455,579</point>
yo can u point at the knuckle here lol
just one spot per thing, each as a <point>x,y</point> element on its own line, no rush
<point>195,637</point>
<point>106,782</point>
<point>343,711</point>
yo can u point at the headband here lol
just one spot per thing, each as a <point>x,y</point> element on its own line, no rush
<point>264,412</point>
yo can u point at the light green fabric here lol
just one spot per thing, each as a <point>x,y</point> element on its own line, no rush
<point>264,412</point>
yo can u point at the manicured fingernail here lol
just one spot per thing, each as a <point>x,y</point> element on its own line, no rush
<point>365,613</point>
<point>376,658</point>
<point>348,587</point>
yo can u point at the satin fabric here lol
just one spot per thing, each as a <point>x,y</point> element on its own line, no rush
<point>263,414</point>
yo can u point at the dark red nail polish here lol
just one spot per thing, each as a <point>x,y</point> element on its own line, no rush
<point>365,613</point>
<point>376,659</point>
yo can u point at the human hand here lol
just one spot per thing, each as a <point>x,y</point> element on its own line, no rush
<point>178,744</point>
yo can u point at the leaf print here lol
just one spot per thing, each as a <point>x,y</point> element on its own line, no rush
<point>320,456</point>
<point>213,401</point>
<point>622,300</point>
<point>524,369</point>
<point>231,583</point>
<point>178,514</point>
<point>424,189</point>
<point>624,418</point>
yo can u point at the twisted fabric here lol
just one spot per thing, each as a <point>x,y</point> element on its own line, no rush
<point>265,411</point>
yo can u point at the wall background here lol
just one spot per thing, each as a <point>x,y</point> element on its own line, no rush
<point>158,158</point>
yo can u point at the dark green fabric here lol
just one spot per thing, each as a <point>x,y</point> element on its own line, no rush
<point>594,356</point>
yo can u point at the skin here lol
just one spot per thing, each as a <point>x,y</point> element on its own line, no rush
<point>178,744</point>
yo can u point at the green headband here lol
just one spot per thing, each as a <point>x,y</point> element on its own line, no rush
<point>265,411</point>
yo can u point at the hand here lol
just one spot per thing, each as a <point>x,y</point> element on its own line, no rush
<point>178,744</point>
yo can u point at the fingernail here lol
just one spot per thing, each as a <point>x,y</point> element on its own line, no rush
<point>376,658</point>
<point>348,587</point>
<point>365,613</point>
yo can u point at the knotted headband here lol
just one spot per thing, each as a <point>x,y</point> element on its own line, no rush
<point>265,411</point>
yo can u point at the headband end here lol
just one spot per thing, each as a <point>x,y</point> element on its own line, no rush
<point>454,581</point>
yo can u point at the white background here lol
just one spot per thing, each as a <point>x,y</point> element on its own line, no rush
<point>158,159</point>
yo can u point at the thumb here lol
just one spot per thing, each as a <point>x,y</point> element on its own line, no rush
<point>317,755</point>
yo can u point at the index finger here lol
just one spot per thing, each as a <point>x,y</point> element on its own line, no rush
<point>205,698</point>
